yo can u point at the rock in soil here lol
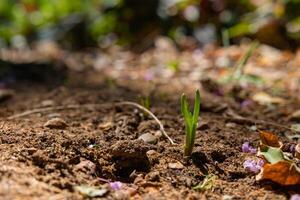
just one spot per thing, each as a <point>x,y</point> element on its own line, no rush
<point>129,156</point>
<point>130,149</point>
<point>47,103</point>
<point>56,123</point>
<point>148,138</point>
<point>176,165</point>
<point>153,176</point>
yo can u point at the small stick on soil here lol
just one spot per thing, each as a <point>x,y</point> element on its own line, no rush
<point>128,103</point>
<point>151,114</point>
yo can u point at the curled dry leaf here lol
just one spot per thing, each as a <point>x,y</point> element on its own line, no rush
<point>282,172</point>
<point>269,139</point>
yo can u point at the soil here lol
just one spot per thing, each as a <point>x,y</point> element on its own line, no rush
<point>97,144</point>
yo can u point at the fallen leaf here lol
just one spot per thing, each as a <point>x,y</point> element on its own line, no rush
<point>91,191</point>
<point>207,183</point>
<point>282,172</point>
<point>265,99</point>
<point>272,154</point>
<point>269,139</point>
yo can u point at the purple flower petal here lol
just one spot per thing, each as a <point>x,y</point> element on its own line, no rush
<point>246,148</point>
<point>246,103</point>
<point>149,75</point>
<point>253,165</point>
<point>295,197</point>
<point>117,185</point>
<point>293,148</point>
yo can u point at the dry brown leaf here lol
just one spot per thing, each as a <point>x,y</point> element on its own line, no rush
<point>269,139</point>
<point>282,172</point>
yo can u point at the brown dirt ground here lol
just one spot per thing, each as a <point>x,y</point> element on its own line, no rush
<point>101,143</point>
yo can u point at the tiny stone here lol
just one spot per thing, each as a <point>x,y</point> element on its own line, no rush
<point>47,103</point>
<point>54,115</point>
<point>176,165</point>
<point>151,152</point>
<point>227,197</point>
<point>148,138</point>
<point>188,182</point>
<point>152,176</point>
<point>158,134</point>
<point>231,125</point>
<point>203,126</point>
<point>253,128</point>
<point>56,123</point>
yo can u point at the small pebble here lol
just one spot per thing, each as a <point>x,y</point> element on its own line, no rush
<point>54,115</point>
<point>231,125</point>
<point>176,165</point>
<point>56,123</point>
<point>227,197</point>
<point>158,134</point>
<point>203,126</point>
<point>151,152</point>
<point>47,103</point>
<point>152,176</point>
<point>148,138</point>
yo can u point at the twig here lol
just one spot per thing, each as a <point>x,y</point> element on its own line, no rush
<point>149,113</point>
<point>128,103</point>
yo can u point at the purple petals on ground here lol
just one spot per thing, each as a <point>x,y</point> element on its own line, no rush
<point>246,103</point>
<point>246,148</point>
<point>295,197</point>
<point>149,75</point>
<point>117,185</point>
<point>293,148</point>
<point>253,165</point>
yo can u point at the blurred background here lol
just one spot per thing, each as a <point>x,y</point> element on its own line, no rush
<point>77,24</point>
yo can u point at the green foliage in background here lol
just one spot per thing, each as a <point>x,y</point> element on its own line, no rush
<point>90,22</point>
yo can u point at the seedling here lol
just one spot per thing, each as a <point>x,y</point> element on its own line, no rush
<point>239,69</point>
<point>146,103</point>
<point>225,38</point>
<point>191,122</point>
<point>238,74</point>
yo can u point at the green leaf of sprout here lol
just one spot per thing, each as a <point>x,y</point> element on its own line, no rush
<point>191,121</point>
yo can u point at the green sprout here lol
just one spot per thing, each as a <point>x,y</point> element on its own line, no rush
<point>146,103</point>
<point>191,122</point>
<point>239,68</point>
<point>225,38</point>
